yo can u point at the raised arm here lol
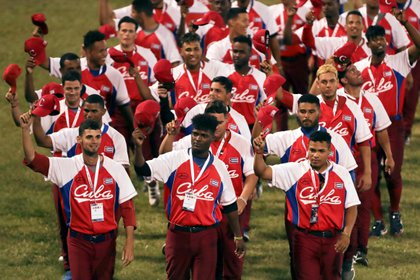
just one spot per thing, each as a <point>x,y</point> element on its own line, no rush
<point>41,139</point>
<point>12,98</point>
<point>28,146</point>
<point>413,33</point>
<point>260,168</point>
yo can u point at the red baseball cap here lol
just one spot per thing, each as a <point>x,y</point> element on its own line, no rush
<point>120,57</point>
<point>210,17</point>
<point>108,30</point>
<point>10,75</point>
<point>35,47</point>
<point>271,85</point>
<point>265,118</point>
<point>182,106</point>
<point>53,88</point>
<point>260,40</point>
<point>146,113</point>
<point>162,70</point>
<point>39,20</point>
<point>386,6</point>
<point>47,105</point>
<point>342,56</point>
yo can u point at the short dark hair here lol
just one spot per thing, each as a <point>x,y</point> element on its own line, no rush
<point>234,12</point>
<point>95,99</point>
<point>321,136</point>
<point>205,122</point>
<point>228,85</point>
<point>243,39</point>
<point>374,31</point>
<point>71,76</point>
<point>68,56</point>
<point>189,38</point>
<point>91,37</point>
<point>144,6</point>
<point>216,107</point>
<point>309,98</point>
<point>88,124</point>
<point>354,12</point>
<point>128,20</point>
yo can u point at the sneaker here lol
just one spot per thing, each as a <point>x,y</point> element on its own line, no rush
<point>61,259</point>
<point>348,272</point>
<point>163,249</point>
<point>407,141</point>
<point>154,193</point>
<point>378,229</point>
<point>67,275</point>
<point>396,223</point>
<point>259,188</point>
<point>246,235</point>
<point>361,258</point>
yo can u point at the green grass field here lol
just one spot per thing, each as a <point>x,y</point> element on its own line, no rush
<point>29,246</point>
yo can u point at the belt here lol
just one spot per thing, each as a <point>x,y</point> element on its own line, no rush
<point>323,234</point>
<point>94,238</point>
<point>192,229</point>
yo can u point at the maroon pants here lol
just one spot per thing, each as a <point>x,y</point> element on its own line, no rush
<point>411,100</point>
<point>360,234</point>
<point>229,266</point>
<point>296,72</point>
<point>393,181</point>
<point>62,226</point>
<point>191,252</point>
<point>245,217</point>
<point>91,260</point>
<point>315,258</point>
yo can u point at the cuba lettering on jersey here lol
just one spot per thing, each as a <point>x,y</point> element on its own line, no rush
<point>292,146</point>
<point>247,92</point>
<point>196,84</point>
<point>386,80</point>
<point>113,188</point>
<point>110,84</point>
<point>236,122</point>
<point>161,42</point>
<point>214,187</point>
<point>113,144</point>
<point>259,17</point>
<point>222,51</point>
<point>234,151</point>
<point>301,184</point>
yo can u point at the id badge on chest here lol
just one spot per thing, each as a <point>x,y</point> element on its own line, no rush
<point>97,212</point>
<point>189,202</point>
<point>314,214</point>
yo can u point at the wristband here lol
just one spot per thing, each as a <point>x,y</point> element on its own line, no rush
<point>243,199</point>
<point>236,238</point>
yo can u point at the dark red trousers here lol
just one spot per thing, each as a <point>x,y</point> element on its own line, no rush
<point>315,258</point>
<point>188,252</point>
<point>91,260</point>
<point>411,100</point>
<point>62,226</point>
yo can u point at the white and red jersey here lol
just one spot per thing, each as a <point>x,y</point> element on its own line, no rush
<point>144,60</point>
<point>395,34</point>
<point>210,33</point>
<point>259,17</point>
<point>213,188</point>
<point>320,28</point>
<point>196,84</point>
<point>236,122</point>
<point>222,51</point>
<point>113,144</point>
<point>302,187</point>
<point>343,117</point>
<point>196,11</point>
<point>326,46</point>
<point>161,42</point>
<point>292,146</point>
<point>373,111</point>
<point>235,151</point>
<point>113,188</point>
<point>386,81</point>
<point>247,92</point>
<point>67,118</point>
<point>412,14</point>
<point>280,16</point>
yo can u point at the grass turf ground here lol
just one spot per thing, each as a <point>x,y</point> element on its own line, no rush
<point>29,245</point>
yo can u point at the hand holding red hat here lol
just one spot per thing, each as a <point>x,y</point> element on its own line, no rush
<point>39,20</point>
<point>10,75</point>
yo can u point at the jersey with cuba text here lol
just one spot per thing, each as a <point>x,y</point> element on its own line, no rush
<point>177,170</point>
<point>302,187</point>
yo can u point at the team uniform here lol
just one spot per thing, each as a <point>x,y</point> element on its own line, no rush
<point>235,151</point>
<point>247,92</point>
<point>192,197</point>
<point>196,84</point>
<point>211,33</point>
<point>259,17</point>
<point>303,192</point>
<point>236,122</point>
<point>387,82</point>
